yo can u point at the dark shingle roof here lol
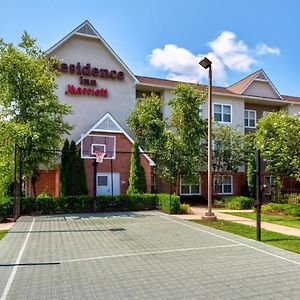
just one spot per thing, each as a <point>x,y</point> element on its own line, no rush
<point>233,89</point>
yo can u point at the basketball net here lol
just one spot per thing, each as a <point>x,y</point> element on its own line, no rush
<point>99,156</point>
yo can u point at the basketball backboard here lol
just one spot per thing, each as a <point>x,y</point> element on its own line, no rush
<point>92,143</point>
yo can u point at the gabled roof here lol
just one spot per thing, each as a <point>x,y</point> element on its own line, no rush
<point>86,29</point>
<point>291,98</point>
<point>166,83</point>
<point>108,123</point>
<point>241,86</point>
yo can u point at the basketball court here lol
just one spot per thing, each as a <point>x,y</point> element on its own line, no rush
<point>140,255</point>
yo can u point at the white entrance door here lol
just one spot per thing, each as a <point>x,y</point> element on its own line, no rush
<point>107,182</point>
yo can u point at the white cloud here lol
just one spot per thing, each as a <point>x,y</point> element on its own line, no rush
<point>227,53</point>
<point>263,49</point>
<point>233,53</point>
<point>182,65</point>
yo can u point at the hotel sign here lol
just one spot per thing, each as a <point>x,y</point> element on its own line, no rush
<point>89,85</point>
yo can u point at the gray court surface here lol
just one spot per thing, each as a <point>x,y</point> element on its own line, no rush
<point>139,255</point>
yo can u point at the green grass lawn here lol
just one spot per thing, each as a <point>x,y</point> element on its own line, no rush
<point>2,234</point>
<point>280,220</point>
<point>286,242</point>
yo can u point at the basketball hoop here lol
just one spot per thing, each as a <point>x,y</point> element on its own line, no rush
<point>99,156</point>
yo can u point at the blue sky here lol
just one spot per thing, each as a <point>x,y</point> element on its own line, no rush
<point>166,38</point>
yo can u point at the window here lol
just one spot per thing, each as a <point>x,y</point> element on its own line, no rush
<point>187,188</point>
<point>269,180</point>
<point>222,113</point>
<point>250,118</point>
<point>102,180</point>
<point>223,185</point>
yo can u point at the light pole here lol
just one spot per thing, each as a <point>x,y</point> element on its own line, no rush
<point>206,64</point>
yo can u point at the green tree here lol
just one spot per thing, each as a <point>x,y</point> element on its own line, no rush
<point>80,180</point>
<point>70,173</point>
<point>177,141</point>
<point>278,137</point>
<point>251,177</point>
<point>137,178</point>
<point>146,121</point>
<point>63,166</point>
<point>229,151</point>
<point>28,103</point>
<point>10,134</point>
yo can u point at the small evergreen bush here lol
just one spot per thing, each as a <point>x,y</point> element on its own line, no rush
<point>137,178</point>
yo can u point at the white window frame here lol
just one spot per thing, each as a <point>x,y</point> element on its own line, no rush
<point>222,186</point>
<point>190,188</point>
<point>248,119</point>
<point>222,113</point>
<point>272,178</point>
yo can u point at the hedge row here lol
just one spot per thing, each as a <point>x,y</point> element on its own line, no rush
<point>82,204</point>
<point>169,204</point>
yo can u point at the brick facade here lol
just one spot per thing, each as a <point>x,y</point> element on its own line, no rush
<point>48,181</point>
<point>120,165</point>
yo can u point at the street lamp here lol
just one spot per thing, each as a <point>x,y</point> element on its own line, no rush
<point>206,64</point>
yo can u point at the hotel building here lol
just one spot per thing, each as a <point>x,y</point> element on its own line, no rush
<point>102,91</point>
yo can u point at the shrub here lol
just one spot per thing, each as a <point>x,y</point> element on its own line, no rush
<point>6,208</point>
<point>238,202</point>
<point>169,204</point>
<point>218,203</point>
<point>293,198</point>
<point>287,198</point>
<point>45,194</point>
<point>292,209</point>
<point>185,209</point>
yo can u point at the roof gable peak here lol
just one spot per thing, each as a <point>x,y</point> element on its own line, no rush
<point>108,123</point>
<point>258,76</point>
<point>87,29</point>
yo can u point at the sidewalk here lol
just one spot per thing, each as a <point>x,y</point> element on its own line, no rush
<point>6,226</point>
<point>199,211</point>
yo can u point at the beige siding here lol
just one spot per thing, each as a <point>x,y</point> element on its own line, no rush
<point>261,89</point>
<point>293,108</point>
<point>87,110</point>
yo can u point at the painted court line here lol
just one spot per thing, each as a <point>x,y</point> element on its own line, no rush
<point>17,262</point>
<point>231,240</point>
<point>147,253</point>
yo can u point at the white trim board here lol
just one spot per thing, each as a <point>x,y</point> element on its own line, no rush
<point>108,115</point>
